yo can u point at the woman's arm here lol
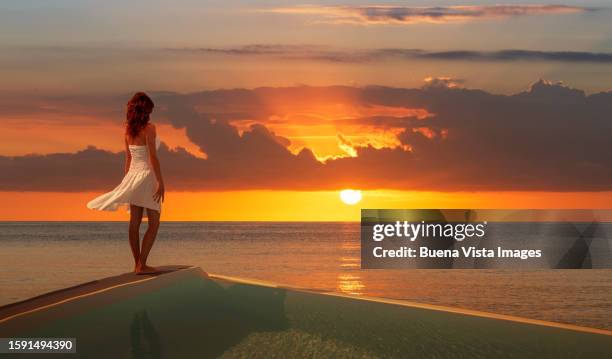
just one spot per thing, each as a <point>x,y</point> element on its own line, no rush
<point>150,136</point>
<point>128,155</point>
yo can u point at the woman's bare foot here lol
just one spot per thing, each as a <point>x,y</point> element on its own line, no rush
<point>145,269</point>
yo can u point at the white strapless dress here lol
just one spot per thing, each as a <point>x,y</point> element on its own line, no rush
<point>137,187</point>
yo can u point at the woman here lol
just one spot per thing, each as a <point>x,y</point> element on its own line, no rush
<point>142,186</point>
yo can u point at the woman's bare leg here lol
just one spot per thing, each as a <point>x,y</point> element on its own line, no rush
<point>134,232</point>
<point>147,242</point>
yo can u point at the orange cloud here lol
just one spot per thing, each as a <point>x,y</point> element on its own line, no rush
<point>407,15</point>
<point>333,127</point>
<point>425,131</point>
<point>49,134</point>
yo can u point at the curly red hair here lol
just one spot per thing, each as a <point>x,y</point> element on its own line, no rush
<point>139,108</point>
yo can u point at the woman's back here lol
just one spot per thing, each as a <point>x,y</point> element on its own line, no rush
<point>140,157</point>
<point>139,150</point>
<point>140,139</point>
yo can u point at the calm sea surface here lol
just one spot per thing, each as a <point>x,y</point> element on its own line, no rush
<point>41,257</point>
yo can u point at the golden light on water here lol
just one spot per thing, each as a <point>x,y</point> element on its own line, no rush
<point>350,196</point>
<point>350,284</point>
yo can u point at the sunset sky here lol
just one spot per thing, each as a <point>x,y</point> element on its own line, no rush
<point>268,109</point>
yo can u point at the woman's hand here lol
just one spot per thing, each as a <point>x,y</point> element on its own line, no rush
<point>159,193</point>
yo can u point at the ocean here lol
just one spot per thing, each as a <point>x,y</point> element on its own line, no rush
<point>38,257</point>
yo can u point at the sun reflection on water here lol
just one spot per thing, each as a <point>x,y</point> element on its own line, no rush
<point>350,284</point>
<point>349,262</point>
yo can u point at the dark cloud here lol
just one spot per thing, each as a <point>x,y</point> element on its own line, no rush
<point>550,137</point>
<point>518,55</point>
<point>326,54</point>
<point>445,82</point>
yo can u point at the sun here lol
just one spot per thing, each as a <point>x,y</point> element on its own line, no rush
<point>350,196</point>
